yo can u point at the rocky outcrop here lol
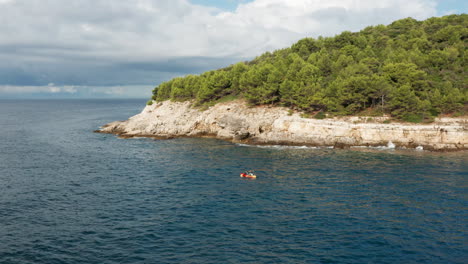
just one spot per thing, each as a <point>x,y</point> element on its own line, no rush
<point>235,121</point>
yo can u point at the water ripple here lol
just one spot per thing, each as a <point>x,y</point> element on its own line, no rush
<point>72,196</point>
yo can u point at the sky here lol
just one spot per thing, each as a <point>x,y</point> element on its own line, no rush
<point>124,48</point>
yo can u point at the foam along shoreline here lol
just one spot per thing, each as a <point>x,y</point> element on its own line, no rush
<point>265,125</point>
<point>390,146</point>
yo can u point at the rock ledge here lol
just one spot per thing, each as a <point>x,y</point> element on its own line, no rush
<point>237,122</point>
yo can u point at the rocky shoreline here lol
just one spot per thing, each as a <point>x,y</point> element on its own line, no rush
<point>264,125</point>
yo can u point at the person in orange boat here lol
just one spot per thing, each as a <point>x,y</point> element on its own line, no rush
<point>248,174</point>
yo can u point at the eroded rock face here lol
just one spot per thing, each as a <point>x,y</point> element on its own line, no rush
<point>237,122</point>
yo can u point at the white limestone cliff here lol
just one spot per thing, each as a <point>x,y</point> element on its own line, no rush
<point>238,122</point>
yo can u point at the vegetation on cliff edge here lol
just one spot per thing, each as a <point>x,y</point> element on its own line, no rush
<point>410,69</point>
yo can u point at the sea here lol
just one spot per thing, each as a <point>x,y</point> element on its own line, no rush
<point>68,195</point>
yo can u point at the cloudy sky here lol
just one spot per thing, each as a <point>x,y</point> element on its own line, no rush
<point>123,48</point>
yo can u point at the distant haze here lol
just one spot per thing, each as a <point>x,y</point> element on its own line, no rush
<point>108,48</point>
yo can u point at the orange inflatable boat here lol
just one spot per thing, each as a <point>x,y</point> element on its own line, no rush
<point>248,175</point>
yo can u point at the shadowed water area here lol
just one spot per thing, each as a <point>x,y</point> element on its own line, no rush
<point>68,195</point>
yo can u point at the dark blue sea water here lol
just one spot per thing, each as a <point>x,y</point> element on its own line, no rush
<point>68,195</point>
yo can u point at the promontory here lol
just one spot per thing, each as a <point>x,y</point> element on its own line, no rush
<point>402,85</point>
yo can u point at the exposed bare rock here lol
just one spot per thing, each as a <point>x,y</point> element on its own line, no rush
<point>238,122</point>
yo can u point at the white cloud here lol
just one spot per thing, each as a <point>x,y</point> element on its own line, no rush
<point>50,88</point>
<point>450,12</point>
<point>66,35</point>
<point>72,91</point>
<point>166,28</point>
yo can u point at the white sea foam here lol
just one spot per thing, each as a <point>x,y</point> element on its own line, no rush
<point>389,146</point>
<point>277,146</point>
<point>286,147</point>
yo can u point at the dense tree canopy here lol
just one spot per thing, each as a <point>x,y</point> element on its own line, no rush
<point>407,69</point>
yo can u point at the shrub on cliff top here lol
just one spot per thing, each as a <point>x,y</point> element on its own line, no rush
<point>320,115</point>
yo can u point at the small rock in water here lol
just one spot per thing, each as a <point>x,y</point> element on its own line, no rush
<point>390,145</point>
<point>419,148</point>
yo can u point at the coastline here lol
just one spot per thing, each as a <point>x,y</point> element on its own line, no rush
<point>235,121</point>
